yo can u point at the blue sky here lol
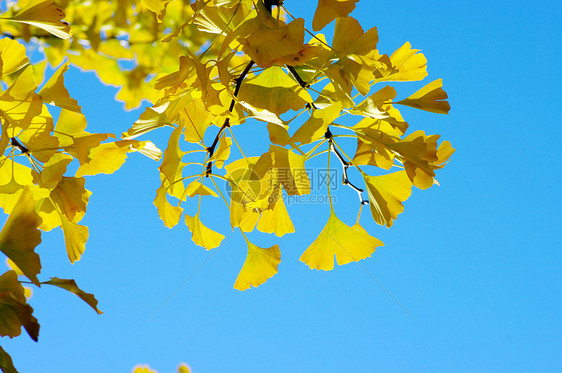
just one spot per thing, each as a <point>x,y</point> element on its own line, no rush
<point>475,261</point>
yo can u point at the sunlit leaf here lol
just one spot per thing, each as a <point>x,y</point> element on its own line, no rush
<point>197,188</point>
<point>315,127</point>
<point>328,10</point>
<point>44,14</point>
<point>430,98</point>
<point>169,214</point>
<point>274,91</point>
<point>75,237</point>
<point>386,194</point>
<point>347,244</point>
<point>260,265</point>
<point>54,92</point>
<point>201,235</point>
<point>12,56</point>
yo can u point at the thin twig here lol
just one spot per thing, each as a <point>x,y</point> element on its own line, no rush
<point>345,165</point>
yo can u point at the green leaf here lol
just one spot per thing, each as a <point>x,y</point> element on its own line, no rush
<point>6,363</point>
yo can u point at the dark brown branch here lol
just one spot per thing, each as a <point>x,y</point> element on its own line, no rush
<point>226,124</point>
<point>15,143</point>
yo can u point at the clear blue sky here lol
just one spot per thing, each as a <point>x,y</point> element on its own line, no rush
<point>476,261</point>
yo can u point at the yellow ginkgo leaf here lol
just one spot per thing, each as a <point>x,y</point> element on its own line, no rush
<point>269,41</point>
<point>44,14</point>
<point>14,310</point>
<point>274,91</point>
<point>347,244</point>
<point>106,158</point>
<point>418,152</point>
<point>55,93</point>
<point>315,127</point>
<point>172,166</point>
<point>157,6</point>
<point>12,56</point>
<point>328,10</point>
<point>54,170</point>
<point>276,220</point>
<point>292,172</point>
<point>75,237</point>
<point>169,214</point>
<point>197,188</point>
<point>409,65</point>
<point>20,236</point>
<point>201,235</point>
<point>444,152</point>
<point>386,194</point>
<point>260,265</point>
<point>430,98</point>
<point>243,217</point>
<point>71,198</point>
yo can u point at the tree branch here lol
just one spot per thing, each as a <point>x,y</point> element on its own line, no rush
<point>226,124</point>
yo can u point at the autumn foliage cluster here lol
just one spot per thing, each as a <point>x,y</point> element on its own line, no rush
<point>206,68</point>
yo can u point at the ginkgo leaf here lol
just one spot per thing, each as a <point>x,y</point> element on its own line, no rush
<point>55,93</point>
<point>274,91</point>
<point>386,194</point>
<point>328,10</point>
<point>292,172</point>
<point>44,14</point>
<point>6,363</point>
<point>418,152</point>
<point>197,188</point>
<point>278,134</point>
<point>276,220</point>
<point>54,170</point>
<point>20,236</point>
<point>260,265</point>
<point>105,158</point>
<point>373,106</point>
<point>70,285</point>
<point>347,244</point>
<point>71,197</point>
<point>315,127</point>
<point>430,98</point>
<point>12,56</point>
<point>269,41</point>
<point>168,213</point>
<point>201,235</point>
<point>157,6</point>
<point>409,64</point>
<point>172,166</point>
<point>444,152</point>
<point>14,310</point>
<point>75,237</point>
